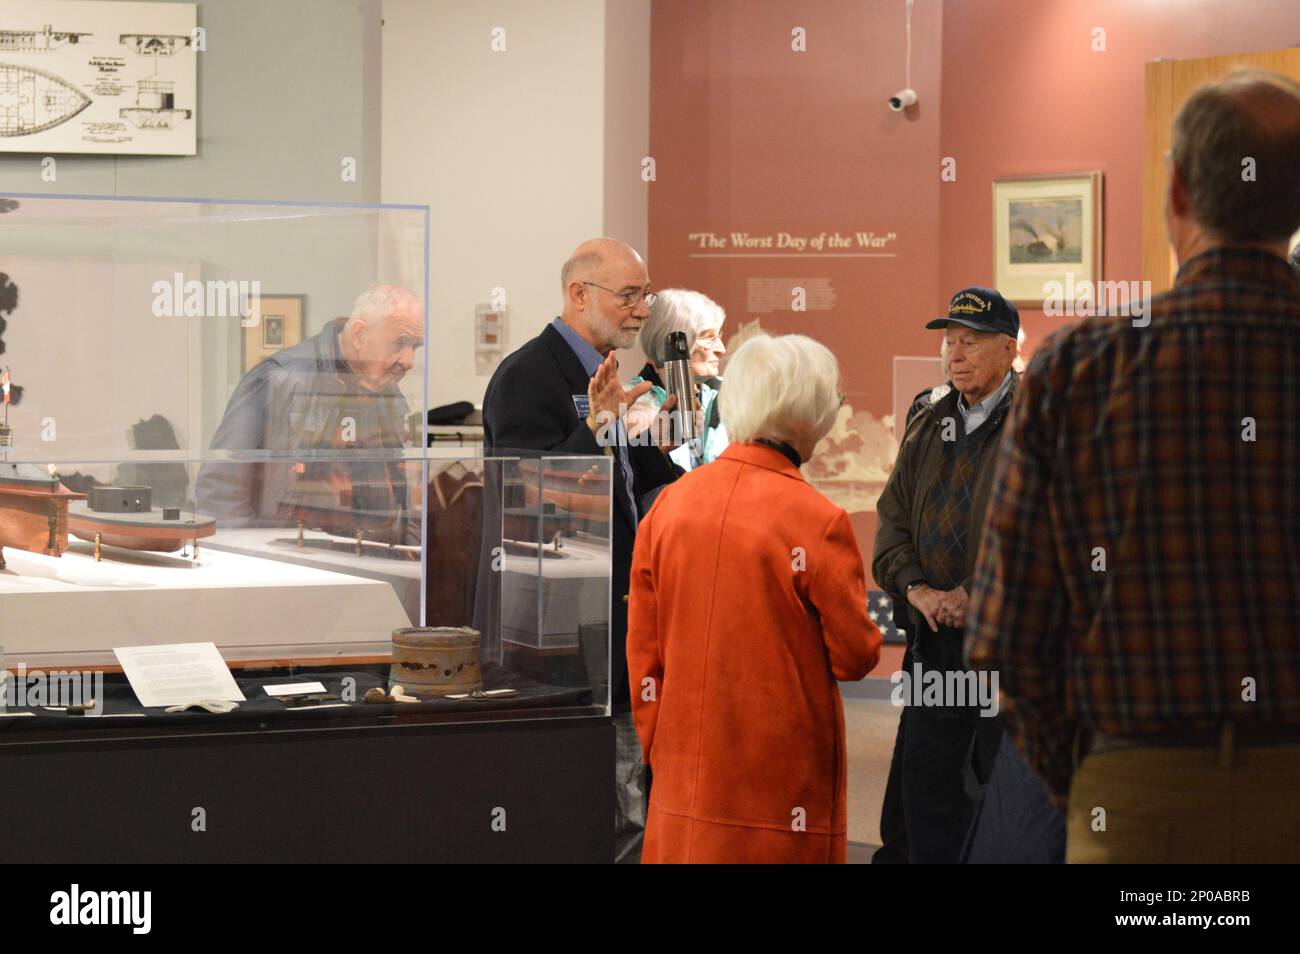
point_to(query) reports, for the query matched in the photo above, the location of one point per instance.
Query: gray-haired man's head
(1235, 164)
(381, 336)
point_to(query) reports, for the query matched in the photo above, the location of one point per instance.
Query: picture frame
(1046, 228)
(279, 326)
(57, 56)
(273, 332)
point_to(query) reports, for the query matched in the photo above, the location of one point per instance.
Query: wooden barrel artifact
(436, 661)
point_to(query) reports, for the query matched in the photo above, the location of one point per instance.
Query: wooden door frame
(1168, 84)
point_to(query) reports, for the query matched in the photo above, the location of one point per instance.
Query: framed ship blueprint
(93, 77)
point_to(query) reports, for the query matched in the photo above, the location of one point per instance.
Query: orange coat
(748, 601)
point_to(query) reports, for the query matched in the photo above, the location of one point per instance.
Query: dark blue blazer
(529, 406)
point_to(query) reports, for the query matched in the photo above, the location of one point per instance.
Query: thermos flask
(680, 380)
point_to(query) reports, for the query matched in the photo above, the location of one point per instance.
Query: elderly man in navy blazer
(560, 393)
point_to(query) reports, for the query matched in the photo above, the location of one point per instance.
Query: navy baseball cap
(982, 309)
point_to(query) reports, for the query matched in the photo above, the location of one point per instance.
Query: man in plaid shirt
(1138, 586)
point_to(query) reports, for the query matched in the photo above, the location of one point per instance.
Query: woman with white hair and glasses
(700, 318)
(748, 602)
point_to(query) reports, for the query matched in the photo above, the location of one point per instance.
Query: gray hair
(1255, 115)
(782, 388)
(378, 302)
(580, 264)
(676, 309)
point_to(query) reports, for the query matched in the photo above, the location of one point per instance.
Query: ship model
(33, 503)
(37, 512)
(569, 490)
(345, 501)
(33, 509)
(125, 517)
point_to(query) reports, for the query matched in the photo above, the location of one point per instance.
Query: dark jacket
(529, 406)
(285, 409)
(923, 400)
(901, 510)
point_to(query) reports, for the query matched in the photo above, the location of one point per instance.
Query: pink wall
(1024, 93)
(748, 134)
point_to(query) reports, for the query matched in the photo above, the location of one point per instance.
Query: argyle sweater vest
(946, 517)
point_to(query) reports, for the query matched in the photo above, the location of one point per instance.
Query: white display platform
(563, 592)
(249, 607)
(325, 552)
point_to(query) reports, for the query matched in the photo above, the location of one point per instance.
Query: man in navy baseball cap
(979, 356)
(930, 517)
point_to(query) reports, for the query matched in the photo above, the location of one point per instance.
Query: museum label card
(294, 689)
(177, 674)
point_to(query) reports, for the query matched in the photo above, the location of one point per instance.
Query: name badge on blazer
(581, 405)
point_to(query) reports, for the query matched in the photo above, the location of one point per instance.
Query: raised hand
(606, 397)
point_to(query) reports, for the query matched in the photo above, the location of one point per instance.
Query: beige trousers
(1182, 806)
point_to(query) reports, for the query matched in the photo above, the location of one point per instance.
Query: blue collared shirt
(591, 360)
(979, 412)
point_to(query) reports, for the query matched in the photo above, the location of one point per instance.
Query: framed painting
(279, 326)
(1046, 229)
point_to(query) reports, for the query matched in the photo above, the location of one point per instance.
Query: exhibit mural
(854, 460)
(799, 221)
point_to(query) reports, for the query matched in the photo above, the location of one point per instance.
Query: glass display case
(213, 432)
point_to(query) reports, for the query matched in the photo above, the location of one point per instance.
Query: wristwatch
(914, 585)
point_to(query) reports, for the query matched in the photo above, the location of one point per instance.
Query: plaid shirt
(1171, 452)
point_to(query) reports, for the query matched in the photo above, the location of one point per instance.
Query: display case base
(523, 791)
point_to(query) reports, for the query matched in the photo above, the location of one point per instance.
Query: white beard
(607, 329)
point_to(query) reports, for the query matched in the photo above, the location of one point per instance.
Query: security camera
(902, 99)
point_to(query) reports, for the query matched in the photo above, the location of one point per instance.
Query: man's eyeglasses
(629, 299)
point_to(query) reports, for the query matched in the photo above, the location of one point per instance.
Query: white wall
(509, 150)
(627, 135)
